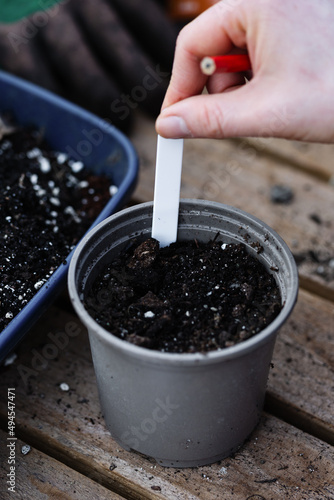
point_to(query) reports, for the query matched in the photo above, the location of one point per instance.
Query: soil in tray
(47, 202)
(188, 297)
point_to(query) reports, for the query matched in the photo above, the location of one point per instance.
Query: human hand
(290, 45)
(111, 57)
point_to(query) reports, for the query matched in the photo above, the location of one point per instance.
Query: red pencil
(229, 64)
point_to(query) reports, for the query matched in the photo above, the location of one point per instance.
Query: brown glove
(111, 57)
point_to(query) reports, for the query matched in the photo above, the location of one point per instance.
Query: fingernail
(172, 126)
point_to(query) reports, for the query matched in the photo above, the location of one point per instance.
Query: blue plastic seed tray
(83, 136)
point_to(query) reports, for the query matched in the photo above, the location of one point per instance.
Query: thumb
(249, 110)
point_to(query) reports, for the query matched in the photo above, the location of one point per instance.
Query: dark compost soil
(47, 202)
(188, 297)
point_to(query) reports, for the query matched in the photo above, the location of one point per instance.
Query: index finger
(215, 32)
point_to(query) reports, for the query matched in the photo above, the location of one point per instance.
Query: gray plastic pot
(184, 410)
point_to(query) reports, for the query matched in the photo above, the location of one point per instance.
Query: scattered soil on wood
(47, 202)
(188, 297)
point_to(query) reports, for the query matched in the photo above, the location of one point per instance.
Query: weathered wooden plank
(301, 383)
(279, 461)
(313, 158)
(239, 175)
(37, 476)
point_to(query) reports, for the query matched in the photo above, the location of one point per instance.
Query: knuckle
(213, 121)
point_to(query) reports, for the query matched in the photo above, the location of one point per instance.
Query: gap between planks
(318, 172)
(82, 464)
(315, 287)
(291, 414)
(39, 476)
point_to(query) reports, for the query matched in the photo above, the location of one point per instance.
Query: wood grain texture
(39, 477)
(314, 158)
